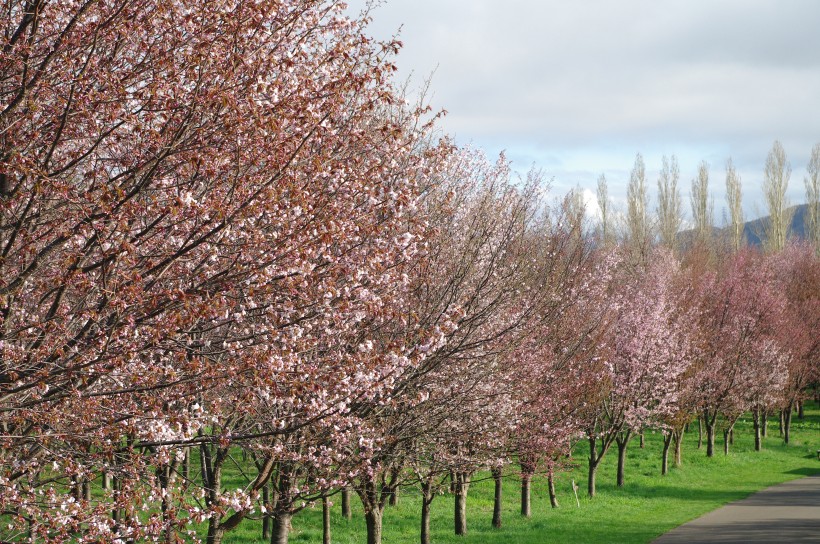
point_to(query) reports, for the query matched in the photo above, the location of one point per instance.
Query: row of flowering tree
(228, 243)
(707, 339)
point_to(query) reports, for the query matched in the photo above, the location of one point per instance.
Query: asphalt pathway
(787, 513)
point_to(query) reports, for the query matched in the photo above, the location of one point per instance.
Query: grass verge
(646, 507)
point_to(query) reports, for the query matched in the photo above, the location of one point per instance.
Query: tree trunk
(621, 460)
(710, 440)
(374, 526)
(756, 412)
(76, 491)
(266, 519)
(726, 441)
(115, 513)
(800, 414)
(186, 464)
(593, 467)
(643, 444)
(497, 477)
(212, 474)
(667, 442)
(781, 422)
(281, 528)
(525, 495)
(427, 496)
(325, 520)
(700, 433)
(787, 423)
(678, 443)
(166, 475)
(215, 534)
(373, 500)
(462, 484)
(764, 421)
(282, 511)
(551, 488)
(346, 503)
(732, 435)
(106, 480)
(394, 497)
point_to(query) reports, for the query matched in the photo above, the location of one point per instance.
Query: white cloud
(579, 87)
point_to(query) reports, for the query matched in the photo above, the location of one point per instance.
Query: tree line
(229, 241)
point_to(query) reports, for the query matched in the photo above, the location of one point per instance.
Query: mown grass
(648, 505)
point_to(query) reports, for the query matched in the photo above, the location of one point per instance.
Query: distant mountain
(755, 230)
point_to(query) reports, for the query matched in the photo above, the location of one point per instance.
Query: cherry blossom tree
(555, 363)
(646, 354)
(201, 203)
(460, 308)
(682, 396)
(460, 442)
(741, 309)
(798, 277)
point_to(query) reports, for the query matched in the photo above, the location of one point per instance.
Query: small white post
(575, 490)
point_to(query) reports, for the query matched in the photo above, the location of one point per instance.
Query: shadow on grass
(688, 494)
(684, 493)
(590, 530)
(806, 471)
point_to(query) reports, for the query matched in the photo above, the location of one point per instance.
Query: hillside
(755, 230)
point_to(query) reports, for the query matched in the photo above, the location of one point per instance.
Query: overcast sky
(579, 87)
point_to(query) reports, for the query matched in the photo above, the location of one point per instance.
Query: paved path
(785, 513)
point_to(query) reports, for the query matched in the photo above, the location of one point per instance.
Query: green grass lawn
(648, 505)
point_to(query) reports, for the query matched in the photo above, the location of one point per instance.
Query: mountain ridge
(754, 231)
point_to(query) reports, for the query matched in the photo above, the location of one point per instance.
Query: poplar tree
(638, 228)
(775, 183)
(733, 198)
(603, 205)
(812, 182)
(670, 215)
(702, 205)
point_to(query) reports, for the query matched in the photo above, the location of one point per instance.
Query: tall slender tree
(812, 182)
(776, 176)
(702, 205)
(605, 208)
(639, 231)
(734, 199)
(670, 213)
